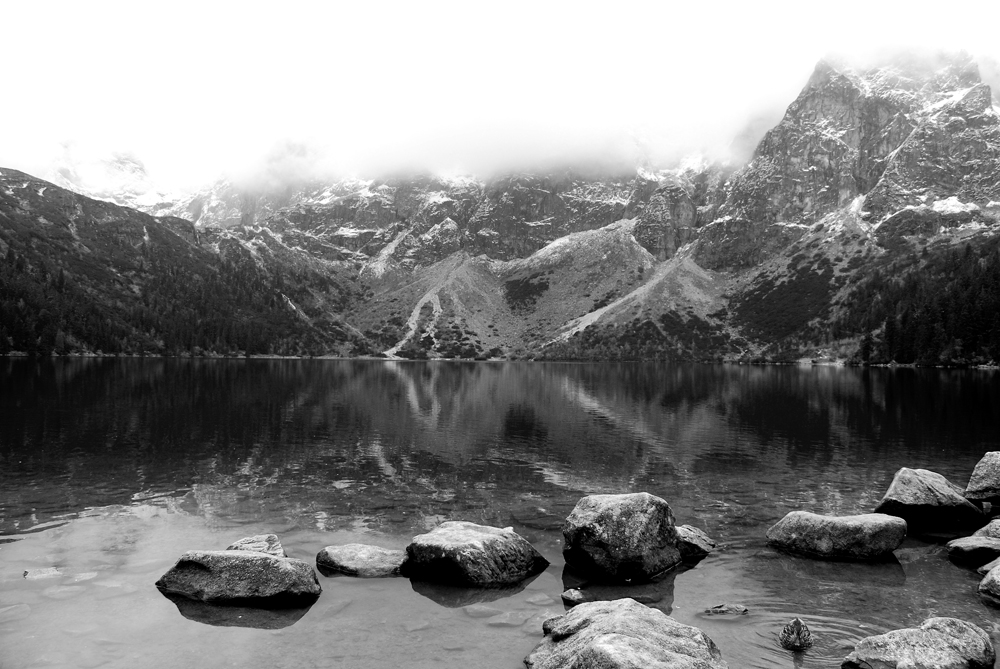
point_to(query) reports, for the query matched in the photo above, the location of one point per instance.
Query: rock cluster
(929, 503)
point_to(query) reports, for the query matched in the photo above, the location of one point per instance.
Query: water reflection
(236, 616)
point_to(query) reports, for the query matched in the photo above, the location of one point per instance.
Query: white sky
(195, 89)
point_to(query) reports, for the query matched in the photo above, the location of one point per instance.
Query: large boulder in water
(261, 543)
(622, 634)
(248, 578)
(471, 555)
(929, 503)
(984, 485)
(621, 538)
(973, 551)
(870, 536)
(939, 643)
(992, 530)
(360, 560)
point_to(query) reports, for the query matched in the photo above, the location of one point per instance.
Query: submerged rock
(795, 636)
(929, 502)
(622, 634)
(261, 543)
(728, 610)
(870, 536)
(360, 560)
(939, 643)
(471, 555)
(984, 485)
(242, 577)
(693, 543)
(621, 538)
(973, 551)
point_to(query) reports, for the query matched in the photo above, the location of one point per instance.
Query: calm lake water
(110, 469)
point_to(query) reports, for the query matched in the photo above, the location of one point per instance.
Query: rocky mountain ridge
(702, 260)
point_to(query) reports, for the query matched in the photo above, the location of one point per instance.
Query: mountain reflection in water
(110, 469)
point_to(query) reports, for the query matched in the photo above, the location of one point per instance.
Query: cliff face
(865, 167)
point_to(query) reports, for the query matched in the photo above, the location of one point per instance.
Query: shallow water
(110, 469)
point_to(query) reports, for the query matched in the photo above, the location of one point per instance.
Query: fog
(200, 90)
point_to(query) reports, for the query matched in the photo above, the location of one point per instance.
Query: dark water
(110, 469)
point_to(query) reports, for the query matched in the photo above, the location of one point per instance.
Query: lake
(111, 468)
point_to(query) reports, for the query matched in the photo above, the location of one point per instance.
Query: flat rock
(728, 610)
(929, 502)
(242, 577)
(44, 572)
(574, 596)
(984, 484)
(621, 538)
(973, 551)
(939, 643)
(259, 543)
(360, 560)
(470, 555)
(869, 536)
(989, 588)
(622, 634)
(693, 543)
(992, 530)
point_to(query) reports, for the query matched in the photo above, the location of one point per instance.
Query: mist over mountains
(863, 225)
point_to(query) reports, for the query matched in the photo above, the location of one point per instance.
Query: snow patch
(952, 205)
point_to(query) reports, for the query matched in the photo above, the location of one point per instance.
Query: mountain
(877, 191)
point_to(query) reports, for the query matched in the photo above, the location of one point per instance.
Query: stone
(260, 543)
(44, 572)
(360, 560)
(471, 555)
(870, 536)
(973, 551)
(989, 588)
(984, 484)
(574, 596)
(621, 538)
(929, 502)
(989, 566)
(728, 610)
(693, 543)
(622, 634)
(247, 578)
(795, 636)
(992, 530)
(939, 643)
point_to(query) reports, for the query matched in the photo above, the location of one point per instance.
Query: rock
(247, 578)
(939, 643)
(989, 588)
(693, 543)
(795, 636)
(991, 530)
(45, 572)
(622, 634)
(989, 566)
(360, 560)
(984, 485)
(973, 550)
(261, 543)
(621, 537)
(728, 610)
(574, 596)
(870, 536)
(928, 502)
(466, 554)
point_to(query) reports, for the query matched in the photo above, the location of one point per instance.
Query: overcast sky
(198, 89)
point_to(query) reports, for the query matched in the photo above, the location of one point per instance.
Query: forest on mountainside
(941, 307)
(232, 310)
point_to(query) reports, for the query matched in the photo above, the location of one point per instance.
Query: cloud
(197, 90)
